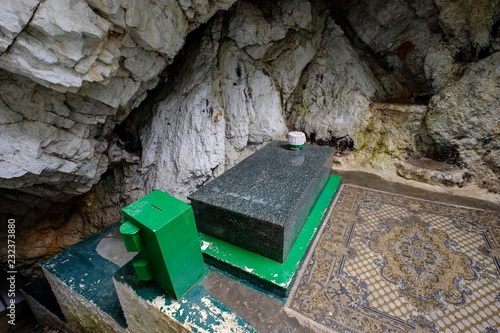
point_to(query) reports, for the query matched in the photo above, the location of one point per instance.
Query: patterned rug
(390, 263)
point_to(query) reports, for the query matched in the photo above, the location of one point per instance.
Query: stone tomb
(262, 203)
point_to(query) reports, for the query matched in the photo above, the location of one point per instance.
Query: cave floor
(265, 312)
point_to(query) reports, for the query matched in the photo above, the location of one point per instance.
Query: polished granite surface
(262, 203)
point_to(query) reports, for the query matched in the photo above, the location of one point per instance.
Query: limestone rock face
(76, 69)
(466, 116)
(467, 25)
(335, 91)
(13, 18)
(228, 97)
(389, 134)
(46, 138)
(400, 33)
(184, 142)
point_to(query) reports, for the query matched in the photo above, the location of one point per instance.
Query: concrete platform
(262, 203)
(81, 280)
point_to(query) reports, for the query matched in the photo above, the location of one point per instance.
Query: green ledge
(263, 272)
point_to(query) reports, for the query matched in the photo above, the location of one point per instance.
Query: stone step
(81, 280)
(79, 295)
(262, 203)
(44, 305)
(432, 172)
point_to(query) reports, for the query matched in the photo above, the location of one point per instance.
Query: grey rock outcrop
(465, 116)
(77, 68)
(333, 97)
(227, 99)
(46, 142)
(467, 25)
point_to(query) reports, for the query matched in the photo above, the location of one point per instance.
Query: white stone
(440, 67)
(144, 65)
(29, 57)
(14, 16)
(266, 118)
(149, 23)
(38, 155)
(199, 11)
(185, 139)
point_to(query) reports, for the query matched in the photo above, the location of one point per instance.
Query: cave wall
(385, 82)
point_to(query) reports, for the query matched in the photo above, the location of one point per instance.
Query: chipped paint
(161, 303)
(198, 311)
(205, 245)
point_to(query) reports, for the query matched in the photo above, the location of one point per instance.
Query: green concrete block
(168, 231)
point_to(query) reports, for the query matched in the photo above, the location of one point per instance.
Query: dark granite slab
(262, 203)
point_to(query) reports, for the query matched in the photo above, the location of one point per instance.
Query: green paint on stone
(296, 147)
(88, 274)
(266, 273)
(197, 309)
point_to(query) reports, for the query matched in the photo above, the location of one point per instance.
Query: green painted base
(263, 272)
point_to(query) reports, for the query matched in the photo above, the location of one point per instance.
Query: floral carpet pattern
(391, 263)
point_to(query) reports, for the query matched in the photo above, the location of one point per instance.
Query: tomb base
(263, 272)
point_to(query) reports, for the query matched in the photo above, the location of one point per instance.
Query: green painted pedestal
(265, 273)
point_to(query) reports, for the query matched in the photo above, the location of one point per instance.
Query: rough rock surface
(386, 82)
(46, 142)
(335, 91)
(389, 134)
(228, 97)
(465, 115)
(184, 142)
(81, 67)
